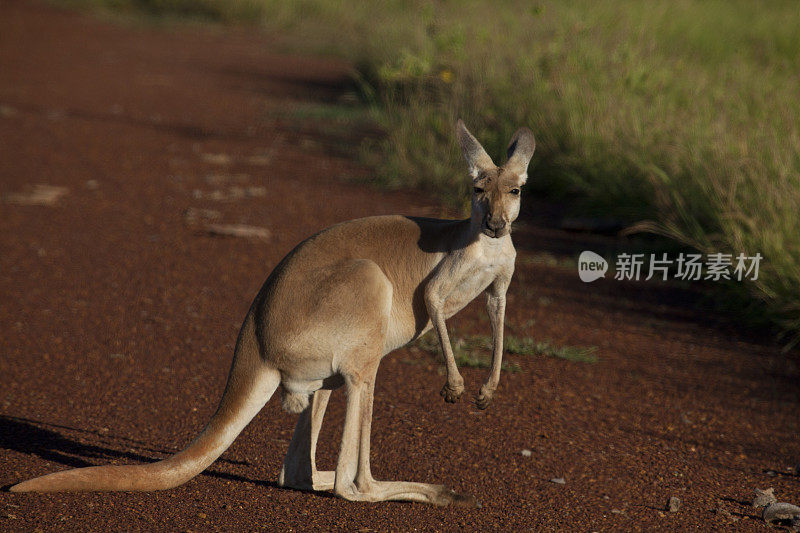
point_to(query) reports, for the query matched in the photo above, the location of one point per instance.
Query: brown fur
(326, 316)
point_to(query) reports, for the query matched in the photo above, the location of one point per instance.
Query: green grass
(529, 346)
(679, 116)
(473, 351)
(469, 352)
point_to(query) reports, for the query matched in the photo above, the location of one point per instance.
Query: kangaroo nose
(495, 224)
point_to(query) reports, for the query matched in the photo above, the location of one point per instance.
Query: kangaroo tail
(251, 384)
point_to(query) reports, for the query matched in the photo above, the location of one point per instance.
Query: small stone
(526, 453)
(783, 514)
(674, 504)
(256, 192)
(194, 216)
(40, 194)
(201, 515)
(238, 230)
(216, 159)
(558, 481)
(617, 511)
(222, 179)
(259, 160)
(764, 497)
(234, 193)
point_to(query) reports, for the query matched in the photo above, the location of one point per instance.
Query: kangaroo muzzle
(494, 226)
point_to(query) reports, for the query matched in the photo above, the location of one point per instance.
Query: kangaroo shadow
(43, 440)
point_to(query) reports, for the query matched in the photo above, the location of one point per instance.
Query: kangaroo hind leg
(351, 307)
(354, 479)
(299, 468)
(359, 367)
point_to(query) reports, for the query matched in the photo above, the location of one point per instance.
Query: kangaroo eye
(515, 192)
(477, 190)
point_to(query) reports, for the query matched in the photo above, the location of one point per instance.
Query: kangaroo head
(496, 190)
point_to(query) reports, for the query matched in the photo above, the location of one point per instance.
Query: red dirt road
(119, 319)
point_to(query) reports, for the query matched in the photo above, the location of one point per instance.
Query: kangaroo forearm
(497, 313)
(447, 350)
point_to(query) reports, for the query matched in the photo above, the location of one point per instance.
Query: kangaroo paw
(452, 393)
(484, 398)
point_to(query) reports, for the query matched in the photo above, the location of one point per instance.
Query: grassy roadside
(680, 116)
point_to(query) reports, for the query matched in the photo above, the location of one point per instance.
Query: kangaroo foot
(452, 392)
(484, 397)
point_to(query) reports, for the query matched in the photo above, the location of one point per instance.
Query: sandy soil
(119, 316)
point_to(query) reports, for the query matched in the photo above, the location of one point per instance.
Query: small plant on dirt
(469, 351)
(529, 346)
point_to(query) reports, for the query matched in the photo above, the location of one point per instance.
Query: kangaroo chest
(473, 278)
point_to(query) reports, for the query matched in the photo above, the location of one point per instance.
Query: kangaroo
(327, 315)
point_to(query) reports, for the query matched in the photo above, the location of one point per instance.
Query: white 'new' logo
(591, 266)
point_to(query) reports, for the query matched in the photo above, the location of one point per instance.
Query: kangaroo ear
(477, 158)
(520, 151)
